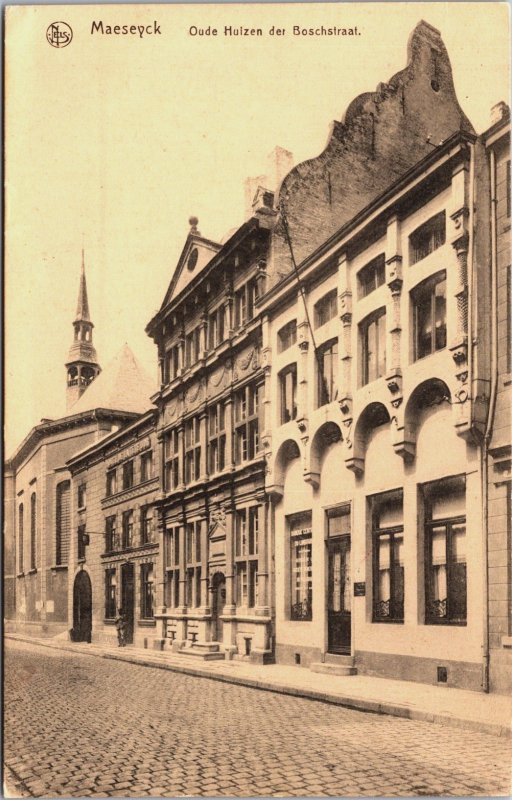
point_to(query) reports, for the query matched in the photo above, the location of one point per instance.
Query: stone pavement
(83, 726)
(486, 713)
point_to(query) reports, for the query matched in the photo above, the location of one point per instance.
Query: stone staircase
(335, 665)
(203, 651)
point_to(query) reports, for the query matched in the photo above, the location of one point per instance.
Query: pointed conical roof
(82, 308)
(123, 385)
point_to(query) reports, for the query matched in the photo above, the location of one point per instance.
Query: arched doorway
(82, 608)
(218, 603)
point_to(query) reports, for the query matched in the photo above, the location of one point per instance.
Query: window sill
(446, 623)
(146, 623)
(20, 575)
(32, 571)
(109, 621)
(134, 550)
(388, 621)
(57, 567)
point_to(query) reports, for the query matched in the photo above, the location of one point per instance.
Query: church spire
(82, 364)
(82, 308)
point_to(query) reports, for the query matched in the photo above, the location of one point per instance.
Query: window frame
(172, 567)
(216, 438)
(146, 525)
(111, 534)
(246, 556)
(192, 435)
(128, 475)
(172, 478)
(21, 542)
(427, 238)
(146, 466)
(378, 532)
(147, 591)
(287, 336)
(33, 531)
(377, 318)
(449, 523)
(192, 533)
(287, 414)
(110, 593)
(246, 422)
(81, 542)
(426, 291)
(327, 394)
(82, 496)
(302, 609)
(325, 309)
(128, 529)
(62, 531)
(111, 482)
(372, 272)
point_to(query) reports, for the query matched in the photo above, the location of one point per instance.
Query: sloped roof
(123, 385)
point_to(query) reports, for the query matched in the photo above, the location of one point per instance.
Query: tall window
(110, 594)
(287, 336)
(388, 558)
(327, 367)
(171, 364)
(326, 309)
(20, 539)
(127, 529)
(147, 586)
(63, 520)
(507, 188)
(82, 495)
(246, 423)
(216, 438)
(288, 393)
(81, 541)
(172, 460)
(509, 318)
(146, 466)
(146, 525)
(128, 475)
(111, 482)
(429, 308)
(192, 347)
(373, 340)
(192, 450)
(245, 299)
(246, 556)
(33, 530)
(301, 568)
(372, 275)
(172, 585)
(427, 238)
(193, 563)
(445, 551)
(216, 327)
(111, 540)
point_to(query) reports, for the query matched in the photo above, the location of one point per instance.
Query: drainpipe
(489, 425)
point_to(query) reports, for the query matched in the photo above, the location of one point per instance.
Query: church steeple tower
(82, 364)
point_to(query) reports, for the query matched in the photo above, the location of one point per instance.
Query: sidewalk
(457, 707)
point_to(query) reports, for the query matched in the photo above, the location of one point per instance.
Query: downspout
(489, 425)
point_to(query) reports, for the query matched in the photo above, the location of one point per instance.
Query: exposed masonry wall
(500, 508)
(384, 133)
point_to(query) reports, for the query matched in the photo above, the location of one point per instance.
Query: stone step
(336, 658)
(201, 655)
(206, 647)
(333, 669)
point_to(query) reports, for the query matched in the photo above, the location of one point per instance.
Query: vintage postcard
(258, 366)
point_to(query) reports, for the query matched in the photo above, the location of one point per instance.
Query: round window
(192, 259)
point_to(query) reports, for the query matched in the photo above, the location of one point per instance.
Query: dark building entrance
(82, 608)
(218, 603)
(127, 599)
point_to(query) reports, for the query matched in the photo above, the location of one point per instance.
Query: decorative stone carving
(394, 274)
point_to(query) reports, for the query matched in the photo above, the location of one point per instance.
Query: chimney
(279, 164)
(500, 111)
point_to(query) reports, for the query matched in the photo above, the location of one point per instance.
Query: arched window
(429, 305)
(63, 523)
(33, 531)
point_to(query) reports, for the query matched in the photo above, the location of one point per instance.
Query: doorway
(128, 599)
(339, 617)
(82, 608)
(218, 603)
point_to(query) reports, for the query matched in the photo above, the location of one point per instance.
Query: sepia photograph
(257, 379)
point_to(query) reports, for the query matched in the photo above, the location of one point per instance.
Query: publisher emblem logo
(59, 34)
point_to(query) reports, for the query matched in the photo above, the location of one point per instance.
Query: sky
(114, 141)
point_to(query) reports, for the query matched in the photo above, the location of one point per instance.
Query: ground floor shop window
(388, 559)
(301, 568)
(146, 591)
(110, 594)
(445, 551)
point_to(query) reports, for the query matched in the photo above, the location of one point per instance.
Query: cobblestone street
(77, 725)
